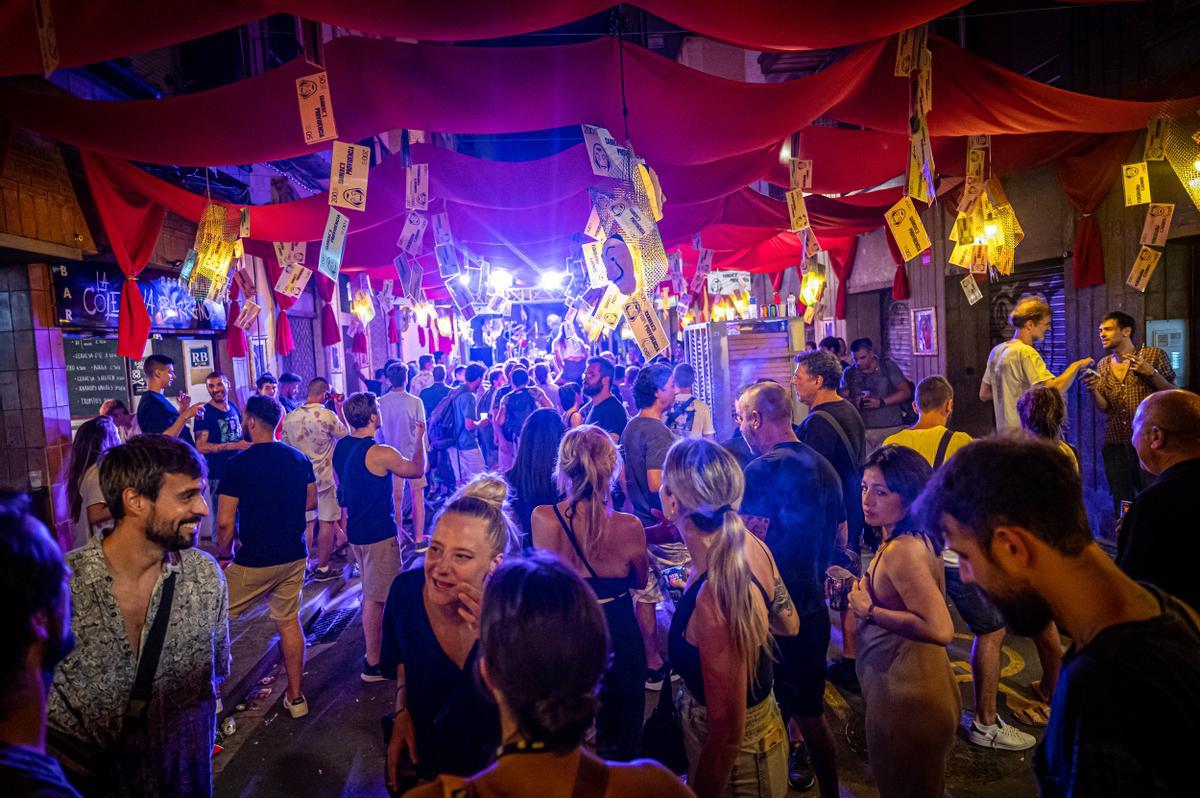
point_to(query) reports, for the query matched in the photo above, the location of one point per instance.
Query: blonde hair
(707, 482)
(486, 497)
(587, 468)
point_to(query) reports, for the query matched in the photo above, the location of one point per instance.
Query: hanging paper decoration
(631, 209)
(1157, 224)
(1135, 179)
(1143, 268)
(333, 243)
(919, 179)
(316, 110)
(363, 306)
(1156, 139)
(907, 229)
(412, 237)
(348, 173)
(643, 322)
(214, 247)
(416, 187)
(989, 234)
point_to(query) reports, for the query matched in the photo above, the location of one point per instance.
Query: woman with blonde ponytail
(607, 549)
(720, 639)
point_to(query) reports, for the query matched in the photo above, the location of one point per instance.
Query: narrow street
(338, 749)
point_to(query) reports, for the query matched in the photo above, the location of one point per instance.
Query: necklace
(520, 747)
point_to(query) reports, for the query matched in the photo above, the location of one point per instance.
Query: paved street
(338, 749)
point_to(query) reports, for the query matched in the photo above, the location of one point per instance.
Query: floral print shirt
(172, 755)
(314, 429)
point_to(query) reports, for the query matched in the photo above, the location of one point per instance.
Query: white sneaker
(297, 708)
(1000, 737)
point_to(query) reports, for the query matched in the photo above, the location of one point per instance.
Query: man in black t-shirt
(218, 438)
(1128, 697)
(793, 501)
(602, 409)
(1158, 542)
(835, 430)
(155, 413)
(266, 492)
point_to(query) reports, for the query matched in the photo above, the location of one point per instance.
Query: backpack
(674, 414)
(443, 422)
(520, 405)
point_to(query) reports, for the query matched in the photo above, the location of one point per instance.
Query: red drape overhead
(380, 85)
(284, 343)
(841, 257)
(132, 222)
(97, 31)
(1085, 179)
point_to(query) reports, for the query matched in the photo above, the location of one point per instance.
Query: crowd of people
(591, 541)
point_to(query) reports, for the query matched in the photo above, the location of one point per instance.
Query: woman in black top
(544, 649)
(608, 549)
(720, 639)
(531, 479)
(431, 641)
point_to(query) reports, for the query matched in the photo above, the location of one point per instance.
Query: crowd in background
(544, 543)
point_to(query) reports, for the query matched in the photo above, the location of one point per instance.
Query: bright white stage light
(464, 279)
(500, 280)
(552, 280)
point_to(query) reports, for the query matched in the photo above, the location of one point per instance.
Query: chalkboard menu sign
(89, 295)
(95, 372)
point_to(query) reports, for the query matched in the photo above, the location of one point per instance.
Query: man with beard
(1012, 509)
(36, 627)
(602, 409)
(133, 707)
(218, 438)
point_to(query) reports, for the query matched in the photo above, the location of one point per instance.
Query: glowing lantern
(363, 306)
(812, 287)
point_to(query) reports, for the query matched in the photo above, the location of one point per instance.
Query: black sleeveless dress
(622, 690)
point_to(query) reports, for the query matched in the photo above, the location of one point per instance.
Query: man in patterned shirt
(314, 429)
(154, 486)
(1121, 381)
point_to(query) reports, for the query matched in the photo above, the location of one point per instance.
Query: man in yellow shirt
(934, 403)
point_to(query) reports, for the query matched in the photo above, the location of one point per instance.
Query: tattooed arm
(784, 620)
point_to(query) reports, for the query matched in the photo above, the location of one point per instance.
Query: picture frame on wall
(924, 331)
(826, 328)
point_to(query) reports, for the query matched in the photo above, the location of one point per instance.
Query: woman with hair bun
(431, 640)
(720, 638)
(607, 549)
(544, 649)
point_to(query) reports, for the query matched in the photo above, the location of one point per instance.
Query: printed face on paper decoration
(618, 264)
(600, 157)
(308, 88)
(897, 216)
(354, 196)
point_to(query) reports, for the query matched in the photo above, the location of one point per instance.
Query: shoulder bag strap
(591, 780)
(139, 696)
(570, 530)
(943, 445)
(841, 433)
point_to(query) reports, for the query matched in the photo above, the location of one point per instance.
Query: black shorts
(800, 671)
(977, 611)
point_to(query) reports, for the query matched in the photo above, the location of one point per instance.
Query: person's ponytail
(731, 582)
(708, 484)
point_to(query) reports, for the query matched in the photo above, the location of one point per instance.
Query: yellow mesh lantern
(1183, 153)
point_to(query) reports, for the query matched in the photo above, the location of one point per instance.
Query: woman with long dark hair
(904, 627)
(84, 499)
(607, 549)
(544, 648)
(570, 398)
(531, 479)
(720, 639)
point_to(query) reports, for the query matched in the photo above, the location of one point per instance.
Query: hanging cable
(618, 31)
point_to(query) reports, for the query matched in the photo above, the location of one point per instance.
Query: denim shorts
(977, 611)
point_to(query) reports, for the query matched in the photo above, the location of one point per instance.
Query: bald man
(1158, 542)
(793, 501)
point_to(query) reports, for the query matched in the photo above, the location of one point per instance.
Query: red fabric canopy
(381, 85)
(139, 221)
(973, 96)
(1085, 179)
(97, 31)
